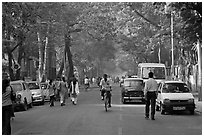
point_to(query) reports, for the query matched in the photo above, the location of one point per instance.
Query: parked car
(23, 95)
(174, 96)
(44, 87)
(37, 92)
(133, 89)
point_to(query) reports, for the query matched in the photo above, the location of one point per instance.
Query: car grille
(178, 101)
(136, 93)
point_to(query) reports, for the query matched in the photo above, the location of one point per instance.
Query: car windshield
(33, 86)
(16, 87)
(175, 88)
(159, 72)
(138, 84)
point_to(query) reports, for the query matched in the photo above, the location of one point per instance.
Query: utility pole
(172, 43)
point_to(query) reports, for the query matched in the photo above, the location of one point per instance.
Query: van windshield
(159, 72)
(16, 87)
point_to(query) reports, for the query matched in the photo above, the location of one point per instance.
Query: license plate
(179, 108)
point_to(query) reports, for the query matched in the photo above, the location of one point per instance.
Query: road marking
(119, 105)
(120, 131)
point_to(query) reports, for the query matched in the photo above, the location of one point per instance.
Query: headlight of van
(166, 100)
(19, 96)
(191, 100)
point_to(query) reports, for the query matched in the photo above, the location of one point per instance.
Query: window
(159, 72)
(138, 84)
(175, 88)
(33, 86)
(16, 87)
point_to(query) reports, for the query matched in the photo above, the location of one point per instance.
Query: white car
(174, 96)
(37, 92)
(23, 94)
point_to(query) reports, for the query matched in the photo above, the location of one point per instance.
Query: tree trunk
(46, 53)
(10, 57)
(69, 56)
(61, 70)
(20, 56)
(40, 57)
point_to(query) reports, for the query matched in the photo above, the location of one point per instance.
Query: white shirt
(150, 85)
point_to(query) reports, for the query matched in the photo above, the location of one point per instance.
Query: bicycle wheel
(106, 103)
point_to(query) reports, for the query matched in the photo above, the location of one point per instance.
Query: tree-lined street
(51, 41)
(88, 117)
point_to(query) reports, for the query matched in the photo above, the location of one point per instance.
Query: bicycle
(106, 100)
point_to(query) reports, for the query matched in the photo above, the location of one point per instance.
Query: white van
(174, 96)
(23, 94)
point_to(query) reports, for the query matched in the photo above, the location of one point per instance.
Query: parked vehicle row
(29, 93)
(172, 95)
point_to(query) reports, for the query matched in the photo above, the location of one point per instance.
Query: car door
(27, 93)
(159, 94)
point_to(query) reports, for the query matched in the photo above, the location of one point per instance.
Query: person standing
(51, 88)
(150, 92)
(63, 88)
(86, 83)
(74, 90)
(7, 110)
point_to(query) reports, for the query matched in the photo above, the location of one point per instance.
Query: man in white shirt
(150, 95)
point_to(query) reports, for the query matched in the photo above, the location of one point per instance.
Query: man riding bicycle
(106, 88)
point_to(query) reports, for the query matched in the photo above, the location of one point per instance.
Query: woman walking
(63, 88)
(51, 88)
(74, 90)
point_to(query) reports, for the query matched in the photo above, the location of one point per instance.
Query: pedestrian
(150, 92)
(63, 88)
(74, 90)
(7, 110)
(51, 89)
(86, 83)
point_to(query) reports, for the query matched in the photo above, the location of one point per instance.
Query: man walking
(150, 95)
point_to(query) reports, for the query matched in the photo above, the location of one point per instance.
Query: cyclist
(105, 88)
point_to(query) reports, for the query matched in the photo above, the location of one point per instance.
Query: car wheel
(123, 100)
(157, 108)
(162, 109)
(31, 104)
(25, 105)
(43, 102)
(192, 112)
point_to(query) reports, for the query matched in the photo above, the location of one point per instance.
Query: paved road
(88, 117)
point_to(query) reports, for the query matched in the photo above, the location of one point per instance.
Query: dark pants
(150, 99)
(6, 116)
(102, 92)
(52, 99)
(108, 95)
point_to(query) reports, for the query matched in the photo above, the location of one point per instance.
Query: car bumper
(37, 99)
(140, 99)
(178, 107)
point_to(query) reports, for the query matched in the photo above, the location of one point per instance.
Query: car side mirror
(159, 91)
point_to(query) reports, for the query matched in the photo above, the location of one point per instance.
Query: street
(88, 117)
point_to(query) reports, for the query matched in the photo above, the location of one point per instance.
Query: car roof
(32, 82)
(133, 79)
(172, 81)
(17, 81)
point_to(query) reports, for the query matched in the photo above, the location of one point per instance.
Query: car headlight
(166, 100)
(191, 100)
(19, 96)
